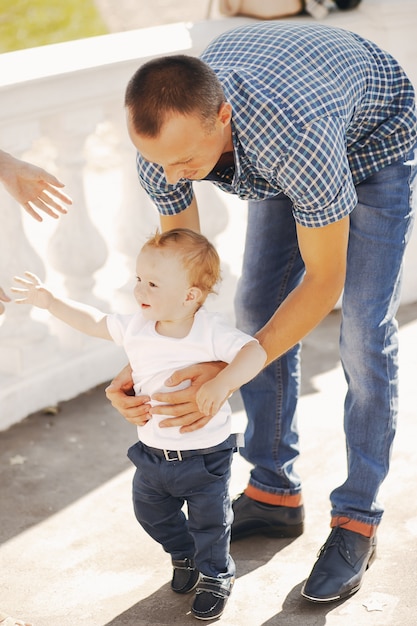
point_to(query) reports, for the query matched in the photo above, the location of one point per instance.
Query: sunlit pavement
(73, 553)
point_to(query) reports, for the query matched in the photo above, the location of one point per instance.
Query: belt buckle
(178, 456)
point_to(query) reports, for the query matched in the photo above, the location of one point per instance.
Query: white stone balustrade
(62, 107)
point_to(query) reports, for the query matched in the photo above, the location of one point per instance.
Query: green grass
(31, 23)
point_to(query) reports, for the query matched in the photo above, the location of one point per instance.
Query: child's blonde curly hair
(198, 256)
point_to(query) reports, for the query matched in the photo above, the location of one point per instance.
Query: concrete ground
(72, 553)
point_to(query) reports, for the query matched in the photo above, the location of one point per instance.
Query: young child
(176, 271)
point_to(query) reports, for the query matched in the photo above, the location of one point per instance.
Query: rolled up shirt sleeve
(168, 199)
(315, 174)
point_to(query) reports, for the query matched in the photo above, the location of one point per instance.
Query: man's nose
(172, 175)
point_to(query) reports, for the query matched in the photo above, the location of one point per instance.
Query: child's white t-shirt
(154, 357)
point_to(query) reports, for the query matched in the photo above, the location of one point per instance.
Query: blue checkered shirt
(316, 110)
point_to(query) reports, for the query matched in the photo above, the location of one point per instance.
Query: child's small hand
(211, 396)
(32, 291)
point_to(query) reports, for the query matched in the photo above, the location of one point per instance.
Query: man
(316, 127)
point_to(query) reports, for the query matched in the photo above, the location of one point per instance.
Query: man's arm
(246, 365)
(324, 252)
(189, 218)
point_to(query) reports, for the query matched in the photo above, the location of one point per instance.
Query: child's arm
(87, 319)
(246, 365)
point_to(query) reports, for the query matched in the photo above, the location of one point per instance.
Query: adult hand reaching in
(182, 404)
(135, 409)
(35, 189)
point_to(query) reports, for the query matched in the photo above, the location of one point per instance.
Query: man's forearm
(301, 311)
(246, 365)
(189, 218)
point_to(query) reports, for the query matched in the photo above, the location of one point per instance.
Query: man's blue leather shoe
(340, 566)
(255, 518)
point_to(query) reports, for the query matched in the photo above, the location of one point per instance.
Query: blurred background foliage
(30, 23)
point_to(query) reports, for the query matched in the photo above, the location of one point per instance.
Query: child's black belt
(234, 441)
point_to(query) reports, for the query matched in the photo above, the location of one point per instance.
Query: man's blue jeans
(380, 227)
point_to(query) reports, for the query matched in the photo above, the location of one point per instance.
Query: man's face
(185, 147)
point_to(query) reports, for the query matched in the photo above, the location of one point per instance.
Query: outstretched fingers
(29, 283)
(49, 201)
(31, 279)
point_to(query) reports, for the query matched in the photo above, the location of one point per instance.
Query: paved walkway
(72, 553)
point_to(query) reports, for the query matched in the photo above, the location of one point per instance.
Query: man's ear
(194, 296)
(225, 113)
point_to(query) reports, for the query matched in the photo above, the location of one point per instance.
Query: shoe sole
(274, 532)
(342, 596)
(207, 619)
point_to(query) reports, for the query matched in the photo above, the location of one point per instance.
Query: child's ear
(194, 295)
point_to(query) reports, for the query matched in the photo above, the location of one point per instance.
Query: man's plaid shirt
(316, 110)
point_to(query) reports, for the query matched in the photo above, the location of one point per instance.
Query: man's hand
(135, 409)
(182, 404)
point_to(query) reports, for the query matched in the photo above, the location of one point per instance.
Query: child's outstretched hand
(32, 291)
(211, 396)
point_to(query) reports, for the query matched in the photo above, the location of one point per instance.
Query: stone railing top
(107, 50)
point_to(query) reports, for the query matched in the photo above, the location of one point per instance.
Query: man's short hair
(172, 84)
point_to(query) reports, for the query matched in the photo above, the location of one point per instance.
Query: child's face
(162, 285)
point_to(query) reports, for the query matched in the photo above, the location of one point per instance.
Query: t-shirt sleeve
(117, 325)
(227, 340)
(168, 199)
(316, 176)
